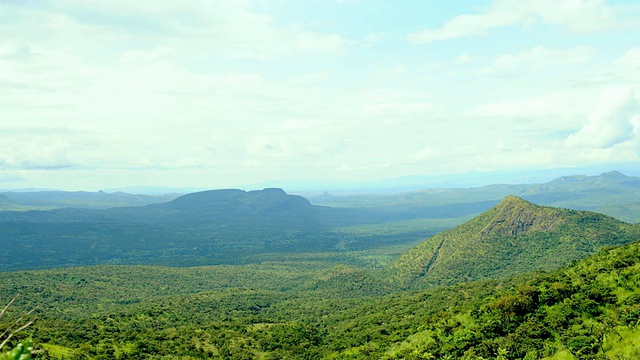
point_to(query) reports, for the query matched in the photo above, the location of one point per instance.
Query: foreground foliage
(587, 311)
(590, 310)
(22, 351)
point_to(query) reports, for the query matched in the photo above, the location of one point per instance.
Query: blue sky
(220, 94)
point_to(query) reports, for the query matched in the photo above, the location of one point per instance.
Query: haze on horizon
(226, 93)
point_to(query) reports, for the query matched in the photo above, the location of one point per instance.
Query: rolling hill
(228, 207)
(237, 227)
(588, 310)
(214, 206)
(513, 237)
(204, 228)
(611, 193)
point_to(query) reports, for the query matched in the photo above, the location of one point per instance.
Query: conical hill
(513, 237)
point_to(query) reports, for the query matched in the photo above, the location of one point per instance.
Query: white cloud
(623, 71)
(391, 102)
(611, 122)
(465, 25)
(462, 58)
(425, 154)
(372, 39)
(141, 79)
(389, 109)
(630, 62)
(397, 70)
(234, 94)
(502, 146)
(190, 28)
(14, 50)
(554, 105)
(541, 56)
(35, 152)
(576, 15)
(579, 16)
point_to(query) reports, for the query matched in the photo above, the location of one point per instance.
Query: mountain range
(611, 193)
(308, 307)
(237, 227)
(302, 281)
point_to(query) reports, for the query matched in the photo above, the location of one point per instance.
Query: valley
(267, 275)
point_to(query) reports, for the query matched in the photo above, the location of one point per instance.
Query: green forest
(266, 275)
(588, 310)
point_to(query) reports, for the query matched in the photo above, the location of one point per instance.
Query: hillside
(513, 237)
(589, 310)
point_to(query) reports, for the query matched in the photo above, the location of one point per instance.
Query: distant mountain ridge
(513, 237)
(271, 206)
(207, 206)
(204, 228)
(221, 201)
(611, 193)
(48, 200)
(235, 226)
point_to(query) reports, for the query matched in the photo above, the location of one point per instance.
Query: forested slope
(302, 309)
(513, 237)
(590, 310)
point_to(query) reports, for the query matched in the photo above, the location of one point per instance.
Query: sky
(217, 94)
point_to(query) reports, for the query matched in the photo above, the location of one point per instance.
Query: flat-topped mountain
(203, 228)
(213, 206)
(513, 237)
(271, 198)
(216, 205)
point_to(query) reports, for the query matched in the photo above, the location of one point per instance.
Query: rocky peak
(514, 216)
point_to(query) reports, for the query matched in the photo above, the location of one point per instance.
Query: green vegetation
(80, 244)
(22, 351)
(513, 237)
(589, 310)
(237, 227)
(207, 228)
(333, 291)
